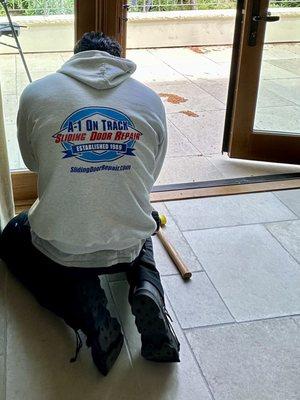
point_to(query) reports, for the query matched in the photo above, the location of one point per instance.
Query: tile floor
(238, 318)
(193, 86)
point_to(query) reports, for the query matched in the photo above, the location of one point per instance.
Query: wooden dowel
(182, 268)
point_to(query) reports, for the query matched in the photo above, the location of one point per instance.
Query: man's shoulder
(41, 87)
(144, 91)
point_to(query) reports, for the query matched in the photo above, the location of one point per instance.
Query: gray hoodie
(97, 139)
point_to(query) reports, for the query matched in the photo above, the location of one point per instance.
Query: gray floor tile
(291, 198)
(257, 360)
(199, 303)
(288, 234)
(164, 263)
(228, 211)
(255, 276)
(171, 231)
(157, 380)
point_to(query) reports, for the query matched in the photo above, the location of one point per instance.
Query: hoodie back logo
(97, 134)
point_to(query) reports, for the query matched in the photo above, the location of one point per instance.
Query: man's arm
(23, 131)
(162, 147)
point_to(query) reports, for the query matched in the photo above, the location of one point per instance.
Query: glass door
(265, 115)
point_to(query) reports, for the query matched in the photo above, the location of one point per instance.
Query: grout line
(201, 266)
(183, 237)
(194, 147)
(206, 382)
(281, 201)
(202, 110)
(211, 325)
(290, 316)
(238, 225)
(281, 244)
(191, 81)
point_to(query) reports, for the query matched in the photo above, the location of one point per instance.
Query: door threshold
(225, 187)
(221, 187)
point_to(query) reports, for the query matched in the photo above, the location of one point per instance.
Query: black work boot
(159, 341)
(103, 332)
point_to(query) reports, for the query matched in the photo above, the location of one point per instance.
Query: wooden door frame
(107, 16)
(244, 141)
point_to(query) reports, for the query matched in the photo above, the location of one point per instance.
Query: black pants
(55, 286)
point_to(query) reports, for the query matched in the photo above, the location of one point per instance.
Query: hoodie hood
(98, 69)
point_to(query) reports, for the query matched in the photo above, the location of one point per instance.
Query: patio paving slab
(235, 168)
(270, 71)
(216, 87)
(280, 119)
(187, 169)
(284, 88)
(178, 144)
(186, 97)
(204, 130)
(291, 65)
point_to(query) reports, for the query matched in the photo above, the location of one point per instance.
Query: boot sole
(158, 342)
(107, 347)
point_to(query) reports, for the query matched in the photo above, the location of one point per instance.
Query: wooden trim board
(22, 203)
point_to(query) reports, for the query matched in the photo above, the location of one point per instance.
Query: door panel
(108, 16)
(254, 133)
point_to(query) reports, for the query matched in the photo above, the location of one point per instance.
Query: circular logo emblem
(97, 134)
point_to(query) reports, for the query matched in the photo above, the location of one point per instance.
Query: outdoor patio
(193, 84)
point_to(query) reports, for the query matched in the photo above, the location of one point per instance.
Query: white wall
(155, 29)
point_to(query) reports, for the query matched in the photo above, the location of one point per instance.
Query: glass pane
(278, 103)
(46, 36)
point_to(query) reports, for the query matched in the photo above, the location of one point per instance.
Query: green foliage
(40, 7)
(54, 7)
(173, 5)
(285, 4)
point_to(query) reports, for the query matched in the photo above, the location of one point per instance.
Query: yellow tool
(182, 268)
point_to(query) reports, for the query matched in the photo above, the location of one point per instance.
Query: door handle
(268, 18)
(255, 19)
